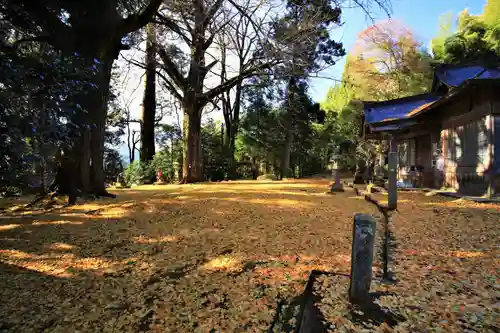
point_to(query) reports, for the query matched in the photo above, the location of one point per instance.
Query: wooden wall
(466, 151)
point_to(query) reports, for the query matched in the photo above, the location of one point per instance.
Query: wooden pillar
(363, 241)
(491, 144)
(393, 186)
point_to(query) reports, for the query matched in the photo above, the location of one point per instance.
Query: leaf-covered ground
(222, 257)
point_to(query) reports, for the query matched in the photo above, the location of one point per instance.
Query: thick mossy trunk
(192, 170)
(81, 167)
(99, 111)
(84, 163)
(65, 182)
(228, 151)
(149, 99)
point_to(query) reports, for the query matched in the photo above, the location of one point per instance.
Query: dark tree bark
(192, 155)
(285, 162)
(84, 163)
(65, 182)
(149, 100)
(98, 115)
(95, 32)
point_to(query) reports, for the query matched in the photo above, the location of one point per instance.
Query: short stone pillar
(392, 202)
(363, 242)
(336, 185)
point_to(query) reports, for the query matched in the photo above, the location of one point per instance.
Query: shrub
(131, 174)
(162, 162)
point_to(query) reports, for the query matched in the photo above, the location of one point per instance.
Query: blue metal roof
(403, 109)
(456, 75)
(492, 73)
(397, 109)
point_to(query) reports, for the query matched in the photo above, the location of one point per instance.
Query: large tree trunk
(228, 148)
(234, 132)
(99, 112)
(192, 156)
(285, 162)
(149, 99)
(65, 182)
(84, 164)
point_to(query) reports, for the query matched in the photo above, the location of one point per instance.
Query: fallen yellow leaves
(9, 226)
(220, 257)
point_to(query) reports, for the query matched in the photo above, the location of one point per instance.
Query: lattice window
(483, 153)
(403, 153)
(458, 145)
(413, 152)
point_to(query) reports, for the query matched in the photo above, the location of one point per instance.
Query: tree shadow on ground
(308, 318)
(100, 259)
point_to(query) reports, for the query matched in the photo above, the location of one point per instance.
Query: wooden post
(393, 186)
(490, 120)
(363, 241)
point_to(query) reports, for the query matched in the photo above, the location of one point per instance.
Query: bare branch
(171, 69)
(174, 27)
(137, 21)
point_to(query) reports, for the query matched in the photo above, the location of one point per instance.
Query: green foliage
(338, 97)
(139, 173)
(491, 13)
(113, 165)
(162, 163)
(169, 159)
(310, 20)
(265, 129)
(445, 31)
(39, 109)
(477, 38)
(261, 137)
(214, 168)
(132, 174)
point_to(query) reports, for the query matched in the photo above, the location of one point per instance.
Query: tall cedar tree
(149, 99)
(318, 52)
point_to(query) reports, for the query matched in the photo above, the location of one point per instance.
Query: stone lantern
(336, 185)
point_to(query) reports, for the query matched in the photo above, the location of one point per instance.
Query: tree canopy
(477, 38)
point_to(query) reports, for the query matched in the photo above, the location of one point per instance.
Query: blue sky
(420, 15)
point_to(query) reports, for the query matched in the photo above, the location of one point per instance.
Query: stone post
(393, 175)
(363, 241)
(337, 184)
